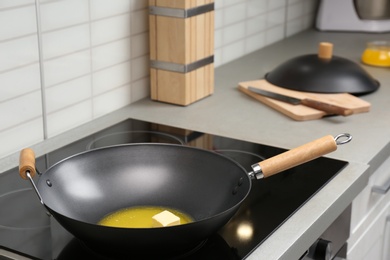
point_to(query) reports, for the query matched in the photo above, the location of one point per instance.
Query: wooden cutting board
(301, 112)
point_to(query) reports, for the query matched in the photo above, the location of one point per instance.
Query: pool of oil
(139, 217)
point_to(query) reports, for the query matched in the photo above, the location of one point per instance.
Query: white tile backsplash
(217, 4)
(104, 8)
(59, 14)
(137, 4)
(20, 84)
(140, 89)
(234, 32)
(218, 19)
(61, 42)
(14, 3)
(139, 45)
(112, 100)
(276, 17)
(289, 2)
(295, 11)
(112, 77)
(308, 21)
(274, 34)
(275, 4)
(18, 52)
(12, 26)
(256, 7)
(20, 109)
(14, 85)
(67, 67)
(108, 54)
(69, 117)
(218, 38)
(255, 42)
(235, 13)
(309, 6)
(139, 67)
(266, 22)
(256, 24)
(91, 57)
(294, 26)
(139, 21)
(110, 29)
(233, 2)
(57, 97)
(18, 137)
(233, 51)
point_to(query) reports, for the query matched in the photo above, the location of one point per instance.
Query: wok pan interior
(90, 185)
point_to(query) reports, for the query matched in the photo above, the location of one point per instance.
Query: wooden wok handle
(297, 156)
(27, 163)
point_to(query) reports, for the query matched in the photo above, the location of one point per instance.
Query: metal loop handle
(342, 138)
(30, 178)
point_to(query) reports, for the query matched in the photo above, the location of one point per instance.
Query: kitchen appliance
(26, 230)
(354, 15)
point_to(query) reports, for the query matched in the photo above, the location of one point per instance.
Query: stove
(27, 231)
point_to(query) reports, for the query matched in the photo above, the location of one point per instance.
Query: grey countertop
(228, 112)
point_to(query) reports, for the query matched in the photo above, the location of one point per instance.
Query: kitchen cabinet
(370, 235)
(386, 239)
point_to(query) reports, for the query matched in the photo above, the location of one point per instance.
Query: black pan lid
(310, 73)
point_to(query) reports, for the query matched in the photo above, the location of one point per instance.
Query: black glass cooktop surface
(26, 229)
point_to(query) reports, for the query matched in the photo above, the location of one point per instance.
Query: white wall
(66, 62)
(243, 26)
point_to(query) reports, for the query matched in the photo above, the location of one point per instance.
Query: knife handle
(330, 109)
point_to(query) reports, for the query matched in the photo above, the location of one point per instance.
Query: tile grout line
(91, 61)
(285, 19)
(41, 69)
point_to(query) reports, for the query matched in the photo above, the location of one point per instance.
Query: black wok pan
(82, 189)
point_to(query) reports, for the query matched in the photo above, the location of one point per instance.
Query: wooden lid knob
(325, 50)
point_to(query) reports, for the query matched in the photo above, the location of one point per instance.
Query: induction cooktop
(27, 230)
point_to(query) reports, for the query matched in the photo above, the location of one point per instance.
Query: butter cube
(165, 219)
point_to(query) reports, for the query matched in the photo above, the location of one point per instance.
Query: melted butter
(139, 217)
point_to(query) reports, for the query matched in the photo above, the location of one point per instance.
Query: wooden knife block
(181, 50)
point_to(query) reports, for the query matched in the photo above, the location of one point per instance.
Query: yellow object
(165, 219)
(139, 217)
(377, 54)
